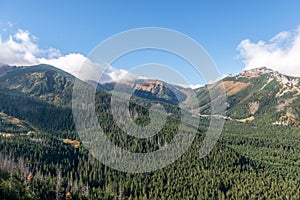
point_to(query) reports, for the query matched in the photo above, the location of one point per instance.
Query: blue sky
(219, 26)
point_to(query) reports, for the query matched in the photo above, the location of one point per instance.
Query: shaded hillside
(43, 81)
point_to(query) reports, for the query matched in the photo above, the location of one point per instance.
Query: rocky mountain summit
(260, 92)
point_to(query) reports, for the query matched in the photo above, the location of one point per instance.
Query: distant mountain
(260, 93)
(149, 89)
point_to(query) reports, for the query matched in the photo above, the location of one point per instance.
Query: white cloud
(191, 86)
(121, 74)
(70, 63)
(280, 53)
(21, 49)
(53, 53)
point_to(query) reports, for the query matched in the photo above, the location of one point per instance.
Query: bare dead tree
(58, 183)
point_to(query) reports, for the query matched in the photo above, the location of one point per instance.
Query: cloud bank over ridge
(21, 49)
(280, 53)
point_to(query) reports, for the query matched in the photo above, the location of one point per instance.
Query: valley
(256, 157)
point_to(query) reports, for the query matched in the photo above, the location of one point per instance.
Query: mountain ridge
(259, 91)
(256, 94)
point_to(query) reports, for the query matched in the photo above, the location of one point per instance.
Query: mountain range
(37, 95)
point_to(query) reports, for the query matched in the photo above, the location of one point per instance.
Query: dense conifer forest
(42, 156)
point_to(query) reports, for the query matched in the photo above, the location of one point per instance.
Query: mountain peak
(257, 71)
(271, 74)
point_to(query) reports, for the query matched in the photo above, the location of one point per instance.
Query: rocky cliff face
(149, 89)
